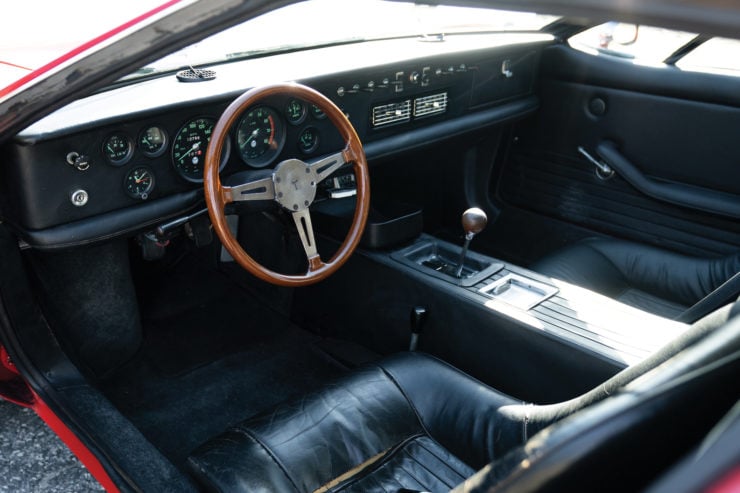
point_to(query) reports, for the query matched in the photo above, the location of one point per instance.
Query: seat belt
(721, 296)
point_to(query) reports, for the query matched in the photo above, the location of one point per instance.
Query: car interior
(540, 297)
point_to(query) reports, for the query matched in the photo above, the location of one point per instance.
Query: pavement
(34, 460)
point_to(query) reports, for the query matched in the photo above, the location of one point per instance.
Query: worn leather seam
(355, 471)
(408, 401)
(440, 459)
(423, 466)
(383, 461)
(423, 484)
(203, 474)
(277, 462)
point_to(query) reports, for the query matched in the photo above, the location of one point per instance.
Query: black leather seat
(416, 422)
(412, 422)
(654, 280)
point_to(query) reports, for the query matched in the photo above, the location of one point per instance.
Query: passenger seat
(654, 280)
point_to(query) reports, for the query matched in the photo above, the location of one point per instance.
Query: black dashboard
(123, 160)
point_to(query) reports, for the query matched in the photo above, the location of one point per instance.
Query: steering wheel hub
(295, 184)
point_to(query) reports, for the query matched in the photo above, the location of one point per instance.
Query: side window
(720, 55)
(643, 44)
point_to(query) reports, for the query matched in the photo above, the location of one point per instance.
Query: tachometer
(260, 136)
(189, 148)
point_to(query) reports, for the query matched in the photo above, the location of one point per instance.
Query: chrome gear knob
(474, 220)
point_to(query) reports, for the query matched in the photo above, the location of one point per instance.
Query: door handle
(603, 170)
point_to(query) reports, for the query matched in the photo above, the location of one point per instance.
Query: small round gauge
(118, 148)
(189, 148)
(317, 113)
(153, 141)
(308, 141)
(260, 136)
(295, 112)
(139, 182)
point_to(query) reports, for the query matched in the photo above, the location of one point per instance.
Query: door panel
(684, 152)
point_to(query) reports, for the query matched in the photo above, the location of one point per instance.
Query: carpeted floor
(212, 356)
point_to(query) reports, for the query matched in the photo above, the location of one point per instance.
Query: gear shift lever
(474, 220)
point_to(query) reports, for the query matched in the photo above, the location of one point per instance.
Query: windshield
(321, 22)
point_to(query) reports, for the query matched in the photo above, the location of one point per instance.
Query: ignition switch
(80, 161)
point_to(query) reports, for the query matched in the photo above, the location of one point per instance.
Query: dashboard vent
(390, 114)
(430, 105)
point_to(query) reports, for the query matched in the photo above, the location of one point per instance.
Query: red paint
(82, 48)
(730, 483)
(7, 368)
(6, 364)
(75, 445)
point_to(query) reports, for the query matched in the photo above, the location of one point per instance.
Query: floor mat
(213, 355)
(208, 331)
(178, 412)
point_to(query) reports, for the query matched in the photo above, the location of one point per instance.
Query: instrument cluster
(264, 133)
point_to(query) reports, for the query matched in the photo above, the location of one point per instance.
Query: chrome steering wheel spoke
(304, 226)
(263, 189)
(323, 168)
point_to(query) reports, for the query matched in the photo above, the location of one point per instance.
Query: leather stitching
(269, 453)
(379, 464)
(408, 401)
(412, 457)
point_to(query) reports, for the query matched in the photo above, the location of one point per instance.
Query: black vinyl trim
(563, 63)
(137, 218)
(112, 224)
(690, 196)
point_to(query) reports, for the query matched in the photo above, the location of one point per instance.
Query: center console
(534, 337)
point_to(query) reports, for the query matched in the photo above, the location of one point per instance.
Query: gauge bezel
(162, 149)
(315, 144)
(317, 113)
(301, 118)
(139, 196)
(129, 150)
(224, 154)
(269, 156)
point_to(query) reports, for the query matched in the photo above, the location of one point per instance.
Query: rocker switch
(398, 82)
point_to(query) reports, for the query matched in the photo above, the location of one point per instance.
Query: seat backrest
(626, 440)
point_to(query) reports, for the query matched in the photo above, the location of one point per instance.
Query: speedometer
(260, 136)
(189, 148)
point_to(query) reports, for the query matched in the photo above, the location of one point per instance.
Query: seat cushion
(654, 280)
(410, 421)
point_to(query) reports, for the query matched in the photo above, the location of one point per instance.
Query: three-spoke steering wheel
(292, 185)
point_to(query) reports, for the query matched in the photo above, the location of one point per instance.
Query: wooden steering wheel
(292, 185)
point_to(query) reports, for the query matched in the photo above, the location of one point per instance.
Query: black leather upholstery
(413, 421)
(648, 278)
(626, 441)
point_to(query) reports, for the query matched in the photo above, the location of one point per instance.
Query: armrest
(693, 197)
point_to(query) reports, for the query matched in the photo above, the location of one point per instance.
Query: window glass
(719, 55)
(643, 44)
(332, 22)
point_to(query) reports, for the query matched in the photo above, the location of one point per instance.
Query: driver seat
(414, 423)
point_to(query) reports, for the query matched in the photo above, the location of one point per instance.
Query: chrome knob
(474, 220)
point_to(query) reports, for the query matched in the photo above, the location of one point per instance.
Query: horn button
(295, 184)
